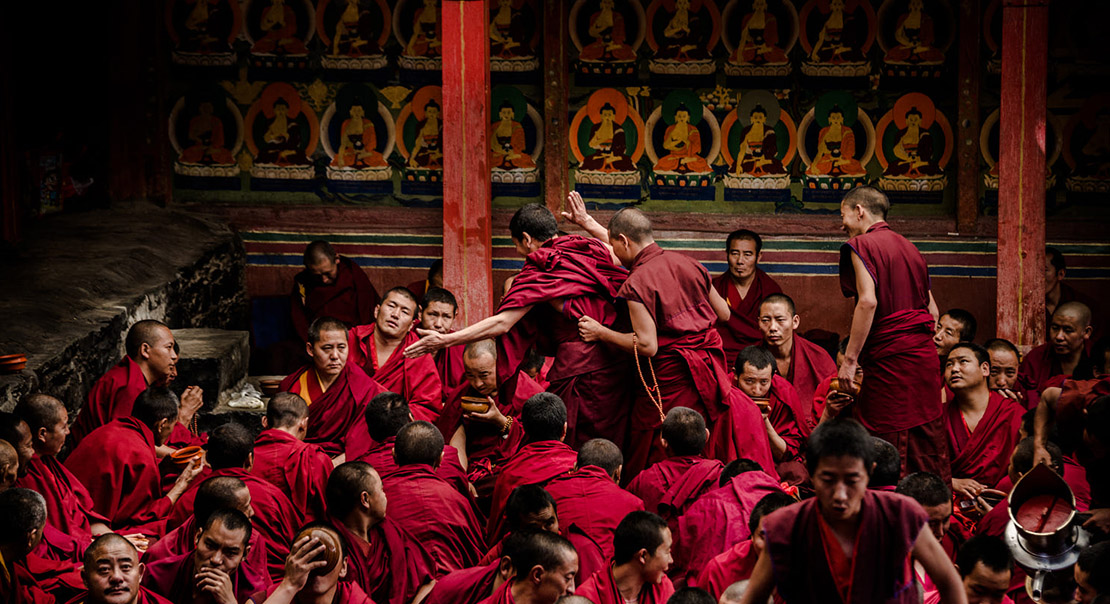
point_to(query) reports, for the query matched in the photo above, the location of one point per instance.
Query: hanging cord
(652, 392)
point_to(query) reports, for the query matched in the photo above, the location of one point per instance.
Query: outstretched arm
(490, 327)
(720, 306)
(576, 213)
(761, 583)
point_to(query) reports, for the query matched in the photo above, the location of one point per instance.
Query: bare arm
(862, 318)
(720, 306)
(933, 310)
(930, 554)
(423, 592)
(490, 327)
(1046, 408)
(458, 440)
(643, 327)
(576, 213)
(778, 445)
(761, 583)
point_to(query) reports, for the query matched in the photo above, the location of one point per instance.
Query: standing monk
(330, 286)
(282, 458)
(744, 285)
(801, 362)
(891, 335)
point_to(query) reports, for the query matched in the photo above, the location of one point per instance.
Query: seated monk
(954, 326)
(282, 458)
(528, 507)
(212, 570)
(68, 503)
(544, 571)
(25, 518)
(151, 361)
(935, 498)
(231, 453)
(1005, 359)
(637, 571)
(385, 415)
(379, 349)
(1063, 355)
(426, 506)
(676, 482)
(16, 432)
(387, 562)
(330, 286)
(589, 497)
(543, 456)
(719, 519)
(743, 286)
(848, 540)
(801, 362)
(438, 309)
(982, 425)
(737, 563)
(986, 569)
(784, 419)
(113, 574)
(336, 391)
(996, 517)
(472, 585)
(9, 465)
(118, 464)
(304, 582)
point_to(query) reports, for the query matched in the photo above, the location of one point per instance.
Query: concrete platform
(214, 359)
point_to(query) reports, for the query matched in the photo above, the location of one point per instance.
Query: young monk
(438, 309)
(24, 519)
(544, 571)
(744, 286)
(1063, 355)
(336, 391)
(283, 459)
(379, 349)
(784, 418)
(304, 583)
(849, 543)
(986, 568)
(737, 563)
(799, 361)
(330, 286)
(472, 585)
(638, 568)
(953, 327)
(113, 574)
(17, 433)
(9, 466)
(528, 507)
(1005, 360)
(676, 482)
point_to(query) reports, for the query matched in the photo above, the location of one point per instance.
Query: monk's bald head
(546, 550)
(480, 348)
(347, 483)
(9, 465)
(874, 201)
(148, 331)
(285, 410)
(319, 251)
(419, 443)
(386, 414)
(230, 446)
(1078, 312)
(684, 431)
(633, 224)
(221, 493)
(603, 454)
(112, 571)
(40, 410)
(24, 514)
(572, 599)
(16, 432)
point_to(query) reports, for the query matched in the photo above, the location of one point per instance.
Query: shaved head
(869, 198)
(478, 348)
(318, 251)
(684, 431)
(601, 453)
(40, 411)
(9, 465)
(631, 223)
(346, 485)
(219, 493)
(147, 331)
(1076, 310)
(419, 443)
(285, 410)
(24, 512)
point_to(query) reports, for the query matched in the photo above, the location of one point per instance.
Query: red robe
(1075, 397)
(391, 567)
(69, 507)
(298, 469)
(39, 580)
(601, 588)
(740, 434)
(333, 415)
(118, 466)
(347, 593)
(589, 499)
(380, 456)
(788, 418)
(274, 515)
(985, 453)
(183, 539)
(466, 586)
(437, 515)
(449, 364)
(534, 463)
(810, 365)
(723, 570)
(351, 298)
(173, 577)
(145, 597)
(742, 328)
(503, 595)
(416, 379)
(1040, 369)
(676, 482)
(484, 443)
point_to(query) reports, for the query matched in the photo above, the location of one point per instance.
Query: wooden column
(11, 162)
(967, 130)
(555, 104)
(467, 252)
(1021, 195)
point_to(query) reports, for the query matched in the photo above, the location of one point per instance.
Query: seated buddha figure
(206, 133)
(427, 151)
(758, 154)
(607, 138)
(836, 149)
(280, 24)
(835, 42)
(683, 141)
(281, 144)
(507, 142)
(759, 38)
(609, 36)
(915, 36)
(914, 151)
(425, 40)
(358, 143)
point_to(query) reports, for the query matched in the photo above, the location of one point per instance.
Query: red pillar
(467, 253)
(555, 104)
(1021, 195)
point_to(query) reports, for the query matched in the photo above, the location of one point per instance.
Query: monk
(151, 361)
(543, 456)
(24, 513)
(673, 308)
(744, 286)
(336, 391)
(118, 465)
(379, 349)
(304, 583)
(113, 574)
(426, 506)
(1090, 574)
(935, 498)
(1005, 359)
(529, 507)
(801, 362)
(736, 564)
(212, 570)
(954, 326)
(17, 433)
(231, 453)
(282, 458)
(638, 568)
(1058, 292)
(849, 543)
(676, 482)
(432, 280)
(544, 571)
(387, 562)
(438, 309)
(996, 517)
(784, 419)
(589, 496)
(472, 585)
(330, 286)
(982, 425)
(564, 279)
(9, 465)
(986, 569)
(891, 335)
(1063, 355)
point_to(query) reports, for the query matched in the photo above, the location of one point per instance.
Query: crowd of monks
(625, 428)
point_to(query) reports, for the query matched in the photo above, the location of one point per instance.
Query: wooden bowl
(834, 386)
(764, 403)
(474, 404)
(269, 387)
(12, 358)
(11, 363)
(331, 552)
(183, 456)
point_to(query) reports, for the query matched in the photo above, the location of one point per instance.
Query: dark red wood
(967, 131)
(127, 147)
(1021, 194)
(555, 104)
(467, 254)
(10, 160)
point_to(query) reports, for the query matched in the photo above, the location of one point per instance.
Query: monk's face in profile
(1068, 333)
(554, 583)
(851, 216)
(840, 483)
(25, 448)
(438, 317)
(326, 270)
(947, 334)
(220, 548)
(481, 373)
(742, 259)
(758, 542)
(50, 439)
(329, 352)
(656, 563)
(1052, 275)
(9, 468)
(755, 383)
(963, 371)
(543, 520)
(114, 577)
(1085, 593)
(395, 314)
(777, 323)
(160, 357)
(1004, 368)
(984, 585)
(940, 518)
(244, 496)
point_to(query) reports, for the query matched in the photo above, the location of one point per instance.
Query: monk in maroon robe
(1063, 355)
(24, 513)
(112, 573)
(935, 498)
(849, 543)
(305, 581)
(543, 457)
(282, 458)
(433, 280)
(438, 309)
(891, 335)
(784, 416)
(543, 571)
(589, 496)
(379, 349)
(801, 362)
(330, 286)
(336, 391)
(741, 433)
(638, 568)
(387, 562)
(744, 286)
(737, 563)
(118, 465)
(676, 482)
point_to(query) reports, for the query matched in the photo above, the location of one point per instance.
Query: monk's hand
(339, 460)
(836, 401)
(217, 584)
(576, 209)
(430, 341)
(191, 402)
(847, 376)
(1041, 455)
(1013, 395)
(589, 329)
(190, 472)
(302, 561)
(492, 415)
(968, 487)
(1100, 519)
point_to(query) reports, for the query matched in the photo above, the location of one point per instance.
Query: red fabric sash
(601, 588)
(985, 453)
(333, 415)
(416, 379)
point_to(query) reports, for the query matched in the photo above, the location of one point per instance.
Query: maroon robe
(590, 377)
(810, 365)
(503, 595)
(183, 539)
(882, 571)
(465, 586)
(334, 415)
(601, 588)
(145, 597)
(173, 577)
(346, 593)
(437, 515)
(44, 580)
(788, 418)
(298, 469)
(351, 298)
(380, 457)
(676, 482)
(740, 434)
(1040, 368)
(449, 364)
(1075, 397)
(742, 328)
(723, 570)
(534, 463)
(391, 567)
(416, 379)
(69, 507)
(985, 453)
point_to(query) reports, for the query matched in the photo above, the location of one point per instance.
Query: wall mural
(682, 35)
(354, 33)
(420, 141)
(759, 142)
(915, 36)
(914, 146)
(357, 133)
(281, 133)
(514, 36)
(835, 141)
(607, 34)
(607, 140)
(279, 32)
(516, 143)
(836, 36)
(758, 35)
(991, 150)
(203, 31)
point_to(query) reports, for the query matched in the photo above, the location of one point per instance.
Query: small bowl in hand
(331, 553)
(836, 386)
(764, 404)
(474, 404)
(185, 455)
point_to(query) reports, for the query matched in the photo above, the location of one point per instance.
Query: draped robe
(723, 570)
(740, 434)
(789, 420)
(984, 454)
(810, 365)
(391, 567)
(534, 463)
(465, 586)
(601, 588)
(351, 298)
(298, 469)
(380, 457)
(676, 482)
(416, 379)
(1040, 368)
(173, 577)
(333, 416)
(69, 507)
(742, 328)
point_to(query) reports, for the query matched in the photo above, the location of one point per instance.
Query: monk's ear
(663, 442)
(343, 568)
(142, 571)
(308, 348)
(196, 538)
(505, 567)
(144, 350)
(796, 322)
(564, 436)
(41, 435)
(536, 574)
(643, 555)
(617, 474)
(265, 423)
(250, 461)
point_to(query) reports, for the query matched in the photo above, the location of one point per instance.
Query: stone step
(214, 359)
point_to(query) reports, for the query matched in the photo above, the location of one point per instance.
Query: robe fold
(69, 507)
(740, 434)
(589, 499)
(183, 539)
(449, 364)
(676, 482)
(416, 379)
(351, 298)
(503, 594)
(345, 593)
(333, 416)
(788, 418)
(810, 365)
(380, 456)
(173, 577)
(437, 515)
(111, 397)
(1040, 368)
(880, 569)
(601, 588)
(296, 468)
(1075, 397)
(723, 570)
(983, 455)
(534, 463)
(56, 581)
(59, 546)
(145, 597)
(465, 586)
(391, 567)
(742, 328)
(591, 558)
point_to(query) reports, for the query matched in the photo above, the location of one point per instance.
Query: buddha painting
(836, 149)
(915, 38)
(507, 36)
(758, 143)
(609, 36)
(427, 149)
(759, 38)
(279, 31)
(914, 144)
(281, 144)
(836, 35)
(913, 154)
(425, 39)
(835, 44)
(683, 142)
(206, 137)
(206, 132)
(282, 133)
(758, 154)
(203, 30)
(507, 142)
(358, 142)
(1086, 147)
(686, 34)
(607, 139)
(355, 32)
